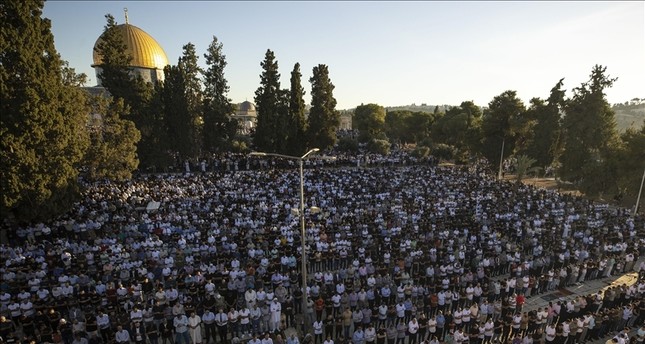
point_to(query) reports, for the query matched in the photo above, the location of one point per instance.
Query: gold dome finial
(125, 9)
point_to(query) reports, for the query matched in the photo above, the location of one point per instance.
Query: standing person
(166, 332)
(139, 333)
(401, 330)
(359, 336)
(423, 327)
(391, 333)
(208, 318)
(441, 324)
(181, 329)
(105, 327)
(318, 331)
(195, 328)
(245, 320)
(276, 313)
(221, 320)
(122, 335)
(152, 332)
(432, 327)
(381, 335)
(370, 334)
(550, 333)
(293, 339)
(267, 339)
(413, 330)
(255, 340)
(234, 322)
(347, 322)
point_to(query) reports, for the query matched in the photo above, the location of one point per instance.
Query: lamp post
(501, 159)
(640, 191)
(303, 257)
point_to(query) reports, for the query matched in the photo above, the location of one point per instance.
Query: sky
(388, 53)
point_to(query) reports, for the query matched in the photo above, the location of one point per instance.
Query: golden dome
(145, 51)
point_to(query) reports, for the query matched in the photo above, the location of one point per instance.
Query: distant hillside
(418, 108)
(629, 115)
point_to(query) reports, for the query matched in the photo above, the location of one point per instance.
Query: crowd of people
(400, 252)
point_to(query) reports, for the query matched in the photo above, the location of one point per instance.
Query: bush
(379, 147)
(347, 144)
(421, 152)
(443, 151)
(239, 146)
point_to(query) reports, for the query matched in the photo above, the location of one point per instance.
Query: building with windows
(247, 117)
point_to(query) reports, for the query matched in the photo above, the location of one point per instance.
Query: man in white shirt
(103, 322)
(413, 329)
(122, 335)
(245, 320)
(267, 339)
(221, 321)
(276, 312)
(181, 329)
(208, 318)
(195, 327)
(250, 296)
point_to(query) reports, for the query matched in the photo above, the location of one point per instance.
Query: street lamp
(303, 257)
(638, 199)
(501, 159)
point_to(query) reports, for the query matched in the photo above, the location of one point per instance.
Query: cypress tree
(267, 100)
(44, 115)
(324, 119)
(219, 129)
(296, 141)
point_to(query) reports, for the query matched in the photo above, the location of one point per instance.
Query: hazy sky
(389, 53)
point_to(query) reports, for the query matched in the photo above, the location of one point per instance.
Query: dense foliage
(219, 128)
(44, 116)
(324, 119)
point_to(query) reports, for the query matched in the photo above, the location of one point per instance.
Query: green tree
(182, 101)
(284, 125)
(524, 164)
(545, 144)
(297, 140)
(501, 125)
(154, 148)
(115, 71)
(395, 126)
(418, 126)
(116, 76)
(630, 160)
(113, 150)
(267, 98)
(324, 119)
(219, 128)
(43, 134)
(378, 146)
(369, 120)
(194, 95)
(590, 137)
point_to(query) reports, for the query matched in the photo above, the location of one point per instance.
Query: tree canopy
(502, 125)
(369, 120)
(267, 98)
(44, 116)
(219, 128)
(324, 119)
